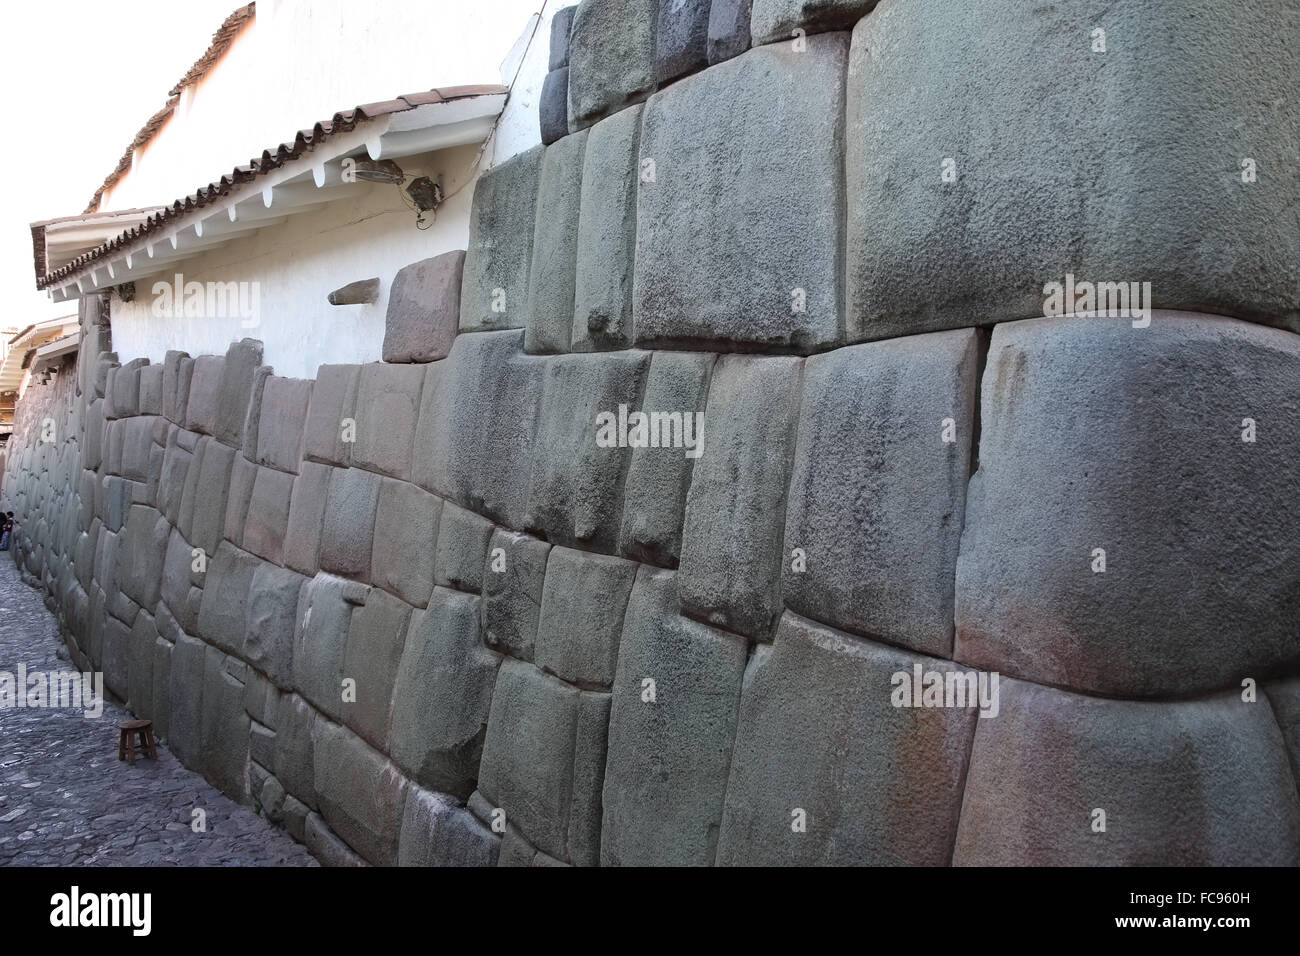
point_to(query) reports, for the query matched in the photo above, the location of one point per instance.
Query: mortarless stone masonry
(421, 613)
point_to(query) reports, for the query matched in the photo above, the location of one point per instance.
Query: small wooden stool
(143, 729)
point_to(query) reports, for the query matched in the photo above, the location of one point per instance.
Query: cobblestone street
(65, 798)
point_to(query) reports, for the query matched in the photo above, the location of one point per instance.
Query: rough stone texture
(179, 591)
(333, 400)
(361, 793)
(388, 403)
(671, 754)
(268, 514)
(748, 260)
(424, 309)
(1202, 578)
(876, 493)
(512, 595)
(253, 411)
(553, 106)
(285, 402)
(242, 476)
(406, 526)
(780, 19)
(561, 28)
(237, 375)
(1190, 783)
(573, 492)
(818, 732)
(437, 832)
(494, 290)
(306, 517)
(151, 390)
(321, 640)
(208, 521)
(173, 402)
(376, 634)
(293, 748)
(728, 29)
(222, 615)
(611, 57)
(602, 316)
(140, 555)
(555, 247)
(681, 39)
(270, 612)
(581, 618)
(654, 492)
(462, 549)
(442, 694)
(204, 394)
(731, 562)
(928, 254)
(349, 522)
(224, 725)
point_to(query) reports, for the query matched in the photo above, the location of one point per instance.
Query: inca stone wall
(438, 610)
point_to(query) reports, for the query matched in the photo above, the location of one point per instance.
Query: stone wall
(422, 611)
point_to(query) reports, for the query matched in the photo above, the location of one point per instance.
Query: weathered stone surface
(878, 488)
(494, 290)
(512, 596)
(731, 561)
(388, 403)
(224, 725)
(333, 403)
(185, 694)
(137, 441)
(307, 517)
(437, 832)
(325, 844)
(553, 106)
(361, 793)
(720, 258)
(928, 254)
(253, 411)
(151, 390)
(179, 591)
(270, 612)
(116, 657)
(611, 57)
(140, 673)
(162, 677)
(293, 748)
(285, 402)
(268, 514)
(443, 694)
(530, 753)
(573, 492)
(671, 754)
(1190, 783)
(583, 599)
(561, 28)
(774, 20)
(728, 29)
(681, 39)
(222, 614)
(237, 375)
(93, 450)
(462, 548)
(173, 400)
(376, 635)
(476, 433)
(122, 394)
(406, 527)
(555, 247)
(602, 316)
(215, 461)
(654, 492)
(321, 640)
(424, 309)
(171, 482)
(1189, 515)
(349, 523)
(243, 473)
(204, 394)
(819, 732)
(140, 555)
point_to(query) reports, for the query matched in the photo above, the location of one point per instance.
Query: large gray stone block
(553, 106)
(270, 613)
(654, 492)
(268, 514)
(151, 390)
(424, 309)
(666, 771)
(583, 599)
(1098, 435)
(212, 469)
(376, 636)
(180, 593)
(681, 39)
(224, 726)
(285, 402)
(494, 289)
(222, 613)
(1187, 783)
(137, 443)
(406, 527)
(204, 394)
(162, 677)
(253, 412)
(731, 557)
(462, 549)
(140, 682)
(332, 408)
(243, 474)
(438, 832)
(237, 376)
(1161, 165)
(513, 580)
(388, 404)
(307, 517)
(443, 694)
(878, 489)
(321, 639)
(293, 748)
(171, 482)
(728, 29)
(602, 312)
(555, 247)
(173, 400)
(577, 474)
(819, 733)
(561, 28)
(611, 57)
(116, 657)
(738, 235)
(140, 555)
(361, 793)
(773, 20)
(349, 523)
(185, 700)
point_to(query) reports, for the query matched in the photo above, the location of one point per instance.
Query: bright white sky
(82, 76)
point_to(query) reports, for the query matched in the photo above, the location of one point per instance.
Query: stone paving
(65, 798)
